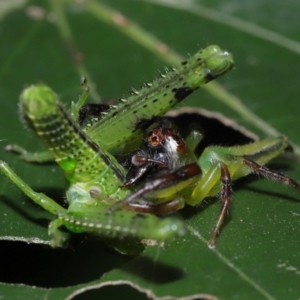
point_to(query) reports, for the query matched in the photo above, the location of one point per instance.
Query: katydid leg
(39, 198)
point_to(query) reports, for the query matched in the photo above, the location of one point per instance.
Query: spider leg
(134, 174)
(161, 184)
(157, 209)
(139, 168)
(226, 190)
(263, 170)
(226, 198)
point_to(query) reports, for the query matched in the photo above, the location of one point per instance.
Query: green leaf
(257, 254)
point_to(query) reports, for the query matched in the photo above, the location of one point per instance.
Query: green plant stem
(66, 33)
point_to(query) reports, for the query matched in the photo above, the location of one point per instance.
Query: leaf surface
(257, 254)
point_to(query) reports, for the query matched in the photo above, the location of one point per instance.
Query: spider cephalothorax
(162, 150)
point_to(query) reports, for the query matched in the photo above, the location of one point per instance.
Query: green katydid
(85, 155)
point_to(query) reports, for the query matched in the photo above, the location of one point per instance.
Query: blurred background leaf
(55, 42)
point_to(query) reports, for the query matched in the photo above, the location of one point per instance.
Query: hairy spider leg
(162, 186)
(140, 165)
(226, 192)
(220, 166)
(226, 198)
(256, 168)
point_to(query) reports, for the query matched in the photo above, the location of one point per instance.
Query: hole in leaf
(43, 266)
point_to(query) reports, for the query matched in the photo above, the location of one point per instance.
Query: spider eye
(154, 141)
